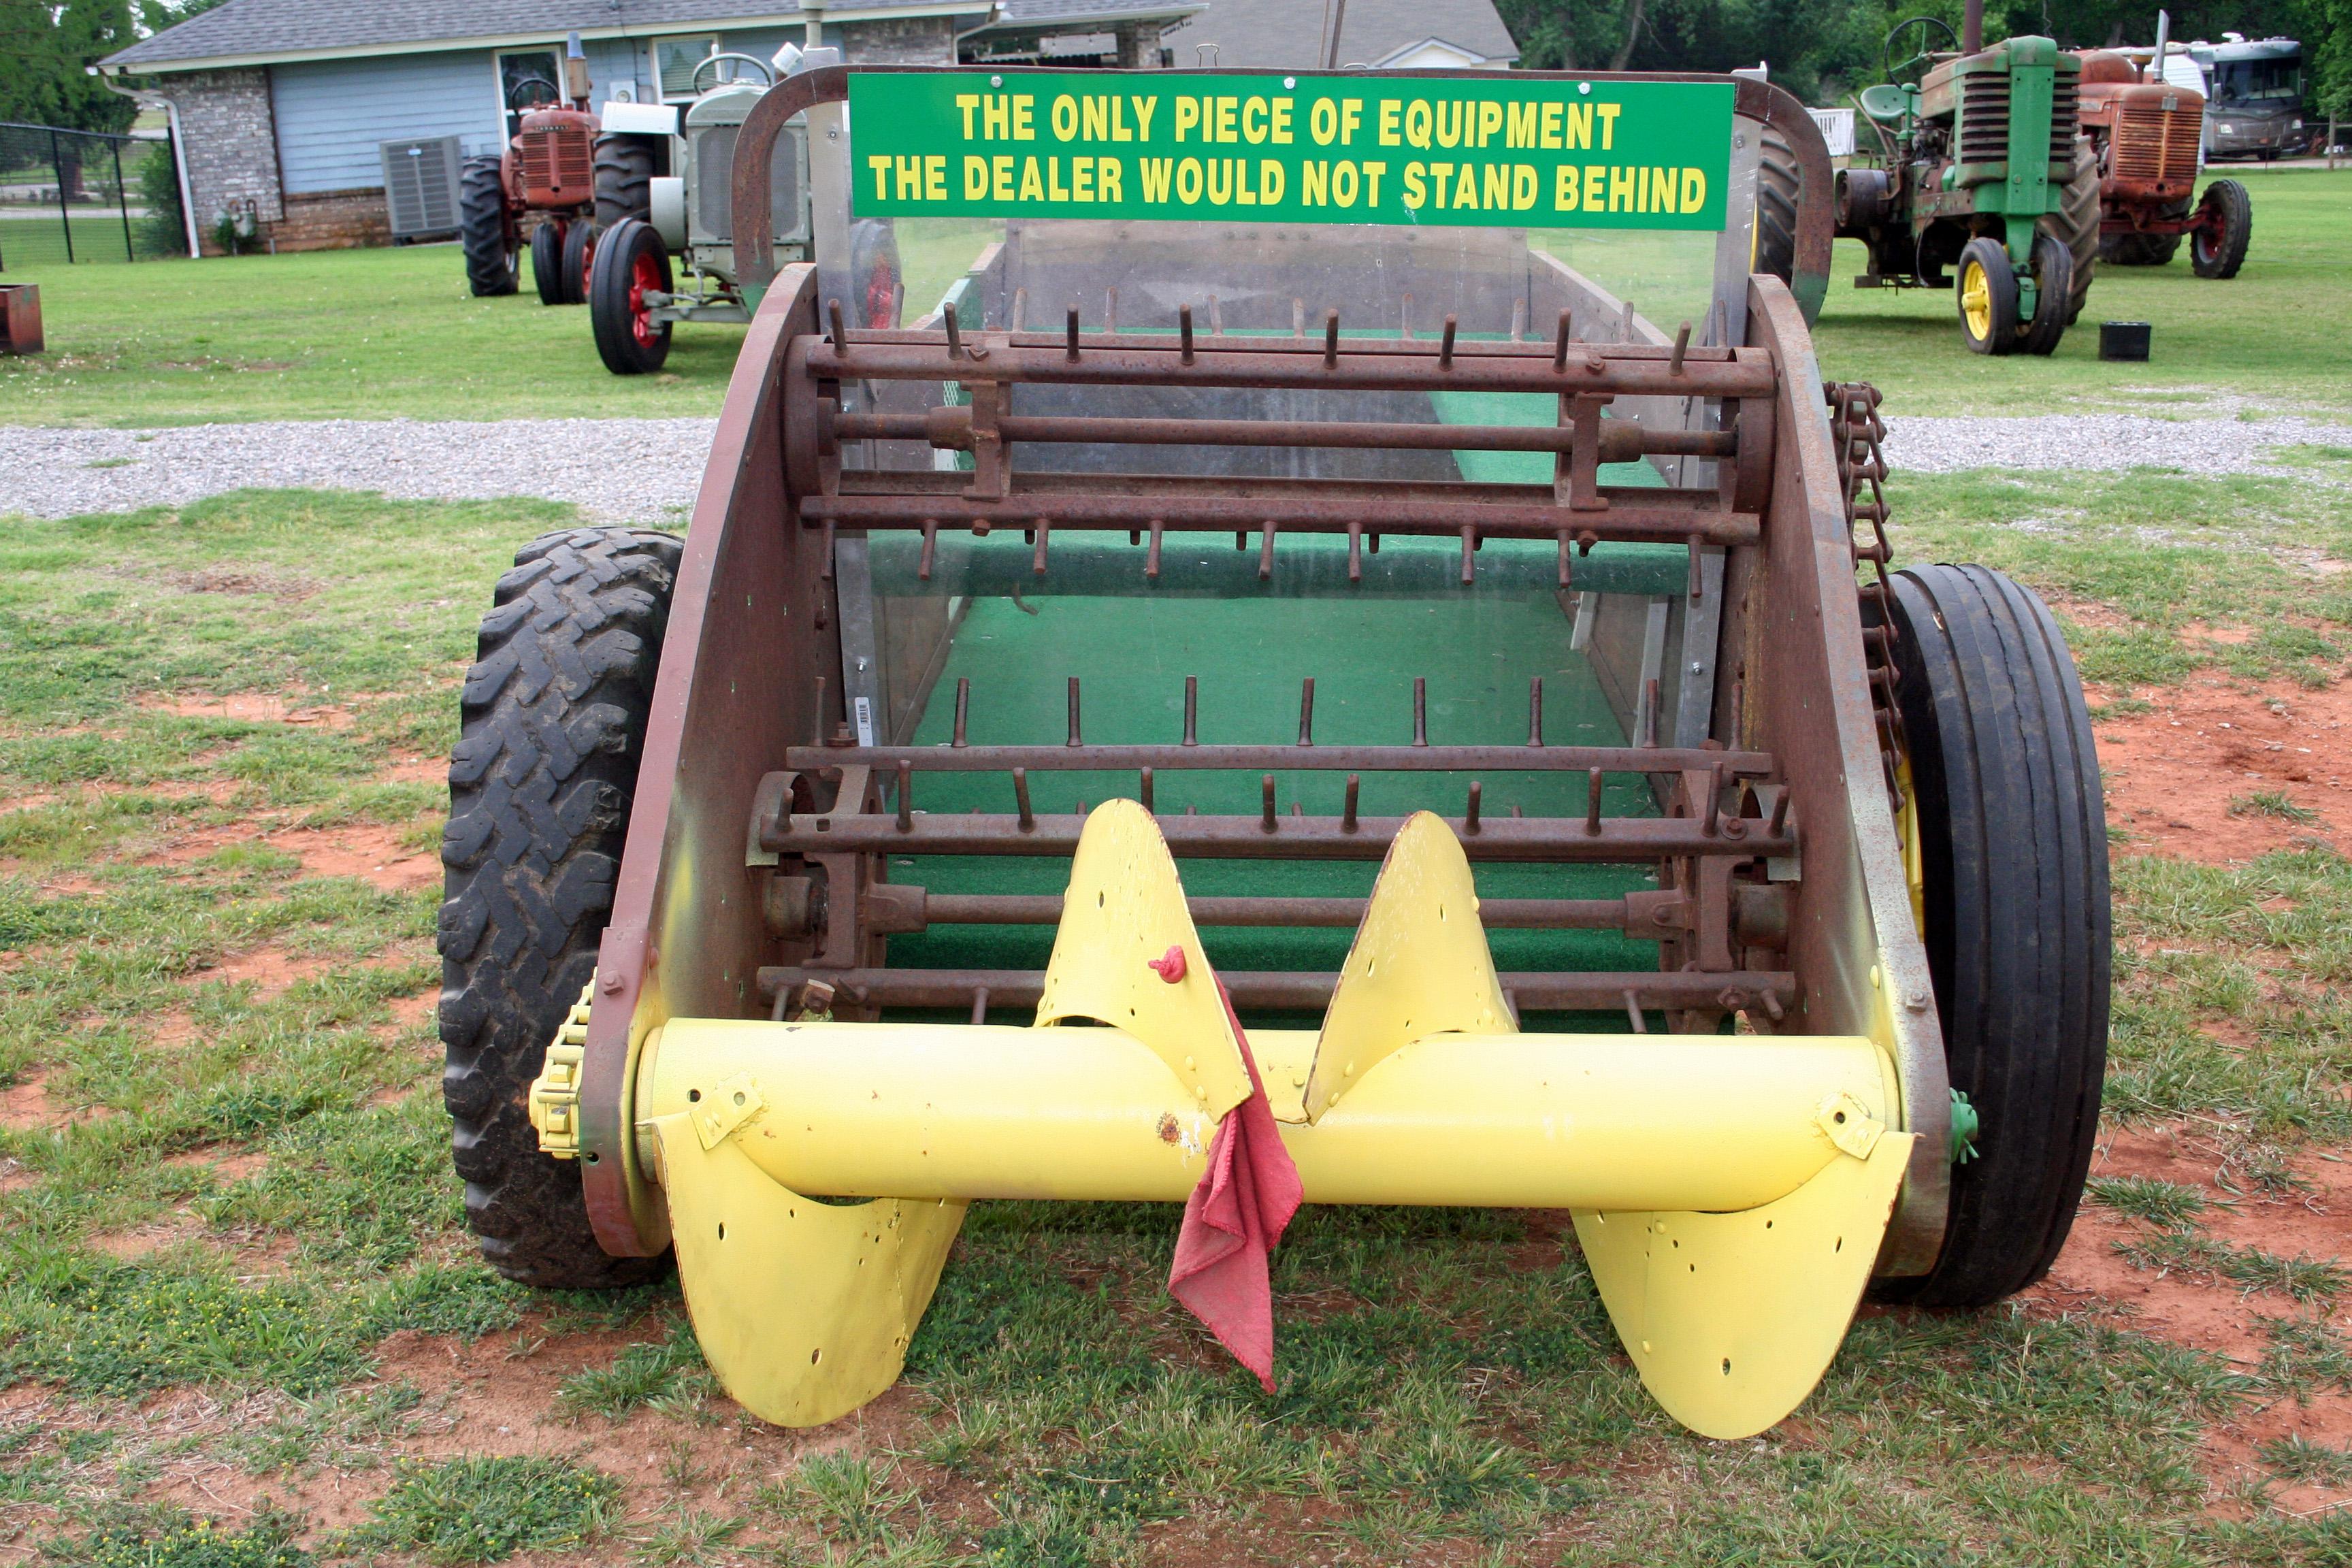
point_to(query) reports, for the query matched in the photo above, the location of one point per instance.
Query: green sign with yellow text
(1489, 151)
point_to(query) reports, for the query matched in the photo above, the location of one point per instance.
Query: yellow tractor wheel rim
(1976, 300)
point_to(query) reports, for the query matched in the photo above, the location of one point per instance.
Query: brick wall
(231, 143)
(333, 220)
(898, 41)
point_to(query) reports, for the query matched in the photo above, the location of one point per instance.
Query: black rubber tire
(2001, 279)
(2138, 250)
(875, 271)
(482, 228)
(1780, 181)
(554, 714)
(2145, 249)
(2053, 274)
(2018, 933)
(626, 346)
(624, 179)
(578, 255)
(547, 262)
(2222, 257)
(2075, 226)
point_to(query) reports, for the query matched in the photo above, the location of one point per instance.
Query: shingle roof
(1278, 34)
(245, 29)
(1033, 13)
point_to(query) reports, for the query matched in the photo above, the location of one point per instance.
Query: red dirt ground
(2172, 774)
(2209, 1314)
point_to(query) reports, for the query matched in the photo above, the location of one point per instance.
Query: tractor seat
(1885, 102)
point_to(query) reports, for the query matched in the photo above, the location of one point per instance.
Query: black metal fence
(71, 196)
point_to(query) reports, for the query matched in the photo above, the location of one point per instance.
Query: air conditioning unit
(420, 184)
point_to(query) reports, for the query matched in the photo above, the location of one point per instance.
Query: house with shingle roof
(279, 107)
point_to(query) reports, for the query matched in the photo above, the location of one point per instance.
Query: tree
(50, 46)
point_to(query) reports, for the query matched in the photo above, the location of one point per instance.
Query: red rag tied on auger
(1235, 1215)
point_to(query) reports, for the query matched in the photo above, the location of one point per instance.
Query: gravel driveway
(647, 469)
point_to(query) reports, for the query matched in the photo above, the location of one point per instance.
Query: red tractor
(549, 168)
(2145, 131)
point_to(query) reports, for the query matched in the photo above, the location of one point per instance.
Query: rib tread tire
(2018, 927)
(482, 228)
(547, 262)
(2223, 260)
(540, 781)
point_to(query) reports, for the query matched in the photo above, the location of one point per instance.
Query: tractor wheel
(630, 261)
(2075, 226)
(547, 262)
(2216, 248)
(2006, 787)
(2145, 249)
(624, 179)
(1779, 182)
(874, 263)
(579, 256)
(1988, 297)
(2055, 299)
(482, 224)
(554, 714)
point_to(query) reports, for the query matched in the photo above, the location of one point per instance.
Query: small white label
(863, 708)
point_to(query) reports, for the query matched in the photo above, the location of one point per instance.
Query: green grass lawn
(231, 1248)
(381, 334)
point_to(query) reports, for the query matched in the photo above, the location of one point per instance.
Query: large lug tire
(2075, 226)
(624, 179)
(2053, 276)
(554, 714)
(579, 256)
(2218, 247)
(482, 227)
(547, 262)
(2006, 787)
(629, 261)
(1987, 297)
(875, 272)
(1779, 182)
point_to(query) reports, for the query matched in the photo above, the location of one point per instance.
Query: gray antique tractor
(667, 254)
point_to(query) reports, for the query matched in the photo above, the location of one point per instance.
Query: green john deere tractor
(1980, 178)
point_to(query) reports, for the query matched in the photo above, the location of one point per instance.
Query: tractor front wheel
(579, 256)
(482, 226)
(2005, 789)
(1988, 297)
(547, 260)
(554, 713)
(630, 263)
(2225, 220)
(2055, 299)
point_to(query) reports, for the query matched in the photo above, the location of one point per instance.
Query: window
(519, 74)
(674, 63)
(2259, 82)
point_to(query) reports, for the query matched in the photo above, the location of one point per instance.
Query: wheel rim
(642, 275)
(1976, 299)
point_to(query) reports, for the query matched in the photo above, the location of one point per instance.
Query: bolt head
(610, 985)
